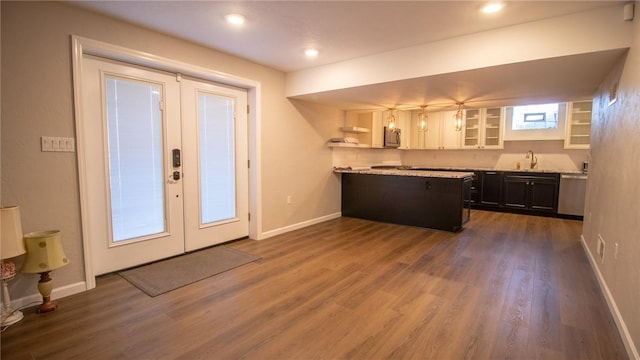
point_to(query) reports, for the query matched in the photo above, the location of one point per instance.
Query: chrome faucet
(534, 159)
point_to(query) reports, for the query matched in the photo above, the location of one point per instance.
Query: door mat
(166, 275)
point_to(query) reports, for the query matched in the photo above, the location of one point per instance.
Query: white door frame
(81, 46)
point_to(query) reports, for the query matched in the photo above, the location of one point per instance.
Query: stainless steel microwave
(391, 137)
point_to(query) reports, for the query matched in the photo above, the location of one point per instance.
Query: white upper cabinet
(472, 129)
(450, 137)
(482, 129)
(493, 128)
(578, 130)
(438, 133)
(418, 136)
(377, 130)
(432, 136)
(404, 124)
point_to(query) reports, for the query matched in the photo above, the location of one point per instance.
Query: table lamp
(44, 254)
(12, 246)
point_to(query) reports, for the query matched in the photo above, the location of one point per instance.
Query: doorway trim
(81, 46)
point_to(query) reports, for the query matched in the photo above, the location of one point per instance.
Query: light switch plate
(58, 144)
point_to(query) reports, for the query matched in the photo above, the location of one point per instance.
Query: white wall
(612, 208)
(37, 101)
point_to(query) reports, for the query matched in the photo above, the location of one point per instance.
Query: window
(535, 122)
(533, 117)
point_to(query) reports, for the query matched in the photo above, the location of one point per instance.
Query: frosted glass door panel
(129, 124)
(214, 144)
(135, 158)
(217, 158)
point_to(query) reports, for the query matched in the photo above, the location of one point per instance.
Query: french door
(165, 163)
(216, 203)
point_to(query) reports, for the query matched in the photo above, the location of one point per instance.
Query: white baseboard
(632, 351)
(57, 293)
(300, 225)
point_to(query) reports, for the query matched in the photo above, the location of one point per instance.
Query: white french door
(162, 163)
(215, 163)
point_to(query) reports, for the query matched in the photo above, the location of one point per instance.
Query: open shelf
(348, 145)
(354, 129)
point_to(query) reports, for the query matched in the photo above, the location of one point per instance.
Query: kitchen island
(432, 199)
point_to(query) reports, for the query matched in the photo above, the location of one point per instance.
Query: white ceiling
(277, 32)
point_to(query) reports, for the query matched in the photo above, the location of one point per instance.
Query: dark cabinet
(515, 192)
(535, 192)
(474, 188)
(437, 203)
(467, 185)
(510, 191)
(491, 187)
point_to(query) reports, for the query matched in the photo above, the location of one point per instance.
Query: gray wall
(37, 94)
(613, 190)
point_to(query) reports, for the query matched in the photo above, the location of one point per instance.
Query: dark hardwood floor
(506, 287)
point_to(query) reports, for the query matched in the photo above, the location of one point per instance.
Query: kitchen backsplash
(366, 157)
(551, 155)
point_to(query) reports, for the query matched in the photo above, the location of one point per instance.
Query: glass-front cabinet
(579, 125)
(483, 128)
(493, 128)
(471, 126)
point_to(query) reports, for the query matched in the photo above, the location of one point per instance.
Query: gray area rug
(166, 275)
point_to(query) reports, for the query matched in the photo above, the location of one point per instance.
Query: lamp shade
(44, 252)
(11, 232)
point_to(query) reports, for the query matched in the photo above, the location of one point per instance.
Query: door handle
(175, 176)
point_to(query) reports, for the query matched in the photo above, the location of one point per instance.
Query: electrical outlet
(600, 248)
(288, 199)
(615, 251)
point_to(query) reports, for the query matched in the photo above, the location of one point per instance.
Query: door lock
(176, 175)
(175, 155)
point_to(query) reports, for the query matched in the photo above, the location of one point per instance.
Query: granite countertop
(407, 172)
(498, 169)
(447, 169)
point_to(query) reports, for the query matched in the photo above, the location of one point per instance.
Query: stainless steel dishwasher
(572, 192)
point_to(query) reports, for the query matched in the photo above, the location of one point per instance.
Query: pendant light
(457, 119)
(391, 120)
(422, 118)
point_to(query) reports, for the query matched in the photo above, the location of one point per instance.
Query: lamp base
(45, 286)
(13, 318)
(8, 317)
(47, 306)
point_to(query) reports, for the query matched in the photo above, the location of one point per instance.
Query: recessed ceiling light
(493, 7)
(235, 19)
(311, 53)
